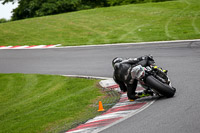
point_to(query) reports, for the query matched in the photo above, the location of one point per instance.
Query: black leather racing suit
(122, 73)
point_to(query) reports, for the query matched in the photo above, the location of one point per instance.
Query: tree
(6, 1)
(35, 8)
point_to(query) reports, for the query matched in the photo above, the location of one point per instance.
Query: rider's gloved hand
(159, 68)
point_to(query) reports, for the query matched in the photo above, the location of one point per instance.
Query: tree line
(37, 8)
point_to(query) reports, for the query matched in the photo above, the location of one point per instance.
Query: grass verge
(45, 103)
(171, 20)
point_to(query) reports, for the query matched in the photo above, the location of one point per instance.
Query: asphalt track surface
(180, 114)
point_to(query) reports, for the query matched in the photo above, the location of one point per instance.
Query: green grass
(171, 20)
(44, 103)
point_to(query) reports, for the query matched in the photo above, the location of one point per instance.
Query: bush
(3, 20)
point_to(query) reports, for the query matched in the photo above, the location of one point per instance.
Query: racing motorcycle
(154, 80)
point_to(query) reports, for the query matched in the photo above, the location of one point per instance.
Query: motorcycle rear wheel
(160, 87)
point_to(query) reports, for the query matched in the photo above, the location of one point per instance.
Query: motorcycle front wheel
(160, 87)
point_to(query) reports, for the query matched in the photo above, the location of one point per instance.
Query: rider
(123, 73)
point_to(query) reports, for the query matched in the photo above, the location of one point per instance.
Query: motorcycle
(154, 80)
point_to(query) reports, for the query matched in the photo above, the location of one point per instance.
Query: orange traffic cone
(100, 106)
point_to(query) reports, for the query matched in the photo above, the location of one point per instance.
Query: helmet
(116, 60)
(150, 56)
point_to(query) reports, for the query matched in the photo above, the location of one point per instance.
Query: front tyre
(160, 87)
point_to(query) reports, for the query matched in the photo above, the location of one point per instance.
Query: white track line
(139, 43)
(105, 45)
(88, 77)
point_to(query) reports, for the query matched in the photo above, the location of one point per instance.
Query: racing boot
(144, 93)
(134, 98)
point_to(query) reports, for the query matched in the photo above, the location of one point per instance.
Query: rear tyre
(160, 87)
